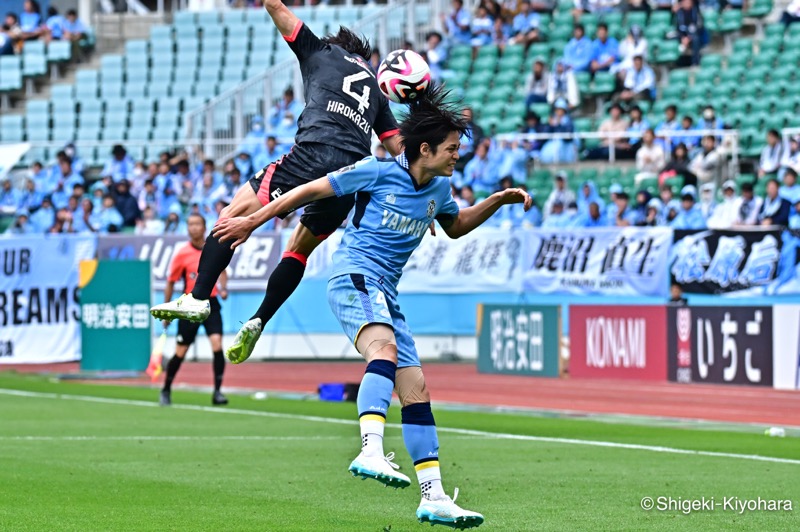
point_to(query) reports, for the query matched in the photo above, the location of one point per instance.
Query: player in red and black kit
(344, 105)
(184, 268)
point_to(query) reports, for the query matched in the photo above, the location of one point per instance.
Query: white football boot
(446, 512)
(185, 307)
(245, 342)
(381, 469)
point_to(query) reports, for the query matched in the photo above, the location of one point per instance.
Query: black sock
(219, 369)
(172, 370)
(281, 285)
(215, 258)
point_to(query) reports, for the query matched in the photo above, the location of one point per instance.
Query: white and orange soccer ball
(403, 76)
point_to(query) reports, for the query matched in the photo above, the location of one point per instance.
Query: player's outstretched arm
(282, 16)
(472, 217)
(240, 228)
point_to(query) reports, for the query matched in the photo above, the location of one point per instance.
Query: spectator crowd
(32, 24)
(130, 196)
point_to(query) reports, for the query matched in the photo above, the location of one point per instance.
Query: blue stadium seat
(234, 16)
(34, 59)
(184, 18)
(63, 134)
(10, 72)
(158, 90)
(59, 51)
(11, 128)
(136, 47)
(114, 133)
(139, 132)
(137, 89)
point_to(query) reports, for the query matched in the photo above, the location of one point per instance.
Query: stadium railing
(388, 28)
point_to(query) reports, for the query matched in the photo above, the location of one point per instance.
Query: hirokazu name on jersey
(391, 217)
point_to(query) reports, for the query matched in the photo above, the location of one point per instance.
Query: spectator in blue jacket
(45, 216)
(605, 50)
(639, 83)
(790, 190)
(775, 210)
(22, 224)
(625, 215)
(579, 50)
(55, 24)
(689, 216)
(593, 217)
(30, 198)
(588, 195)
(525, 27)
(478, 173)
(457, 23)
(9, 197)
(109, 218)
(120, 166)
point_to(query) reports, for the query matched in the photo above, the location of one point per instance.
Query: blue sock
(374, 396)
(422, 443)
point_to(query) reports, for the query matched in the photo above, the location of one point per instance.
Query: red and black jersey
(343, 101)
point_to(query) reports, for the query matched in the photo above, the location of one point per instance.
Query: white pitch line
(167, 438)
(463, 432)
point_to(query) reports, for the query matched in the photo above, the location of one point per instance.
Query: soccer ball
(403, 75)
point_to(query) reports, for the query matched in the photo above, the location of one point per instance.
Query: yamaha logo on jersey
(431, 208)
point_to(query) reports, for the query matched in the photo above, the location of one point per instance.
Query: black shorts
(187, 330)
(304, 163)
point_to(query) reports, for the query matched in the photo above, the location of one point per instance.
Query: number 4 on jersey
(363, 98)
(380, 300)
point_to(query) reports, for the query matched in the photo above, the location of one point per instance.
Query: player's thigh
(302, 241)
(187, 332)
(357, 302)
(213, 324)
(407, 355)
(325, 216)
(244, 203)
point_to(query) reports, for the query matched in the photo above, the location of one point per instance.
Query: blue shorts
(357, 301)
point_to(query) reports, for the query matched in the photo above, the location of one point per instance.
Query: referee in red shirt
(184, 267)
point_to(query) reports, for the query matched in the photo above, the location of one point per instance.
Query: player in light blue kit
(396, 200)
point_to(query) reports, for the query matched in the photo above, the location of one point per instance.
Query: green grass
(291, 474)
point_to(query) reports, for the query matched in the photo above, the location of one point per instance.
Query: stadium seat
(11, 128)
(59, 51)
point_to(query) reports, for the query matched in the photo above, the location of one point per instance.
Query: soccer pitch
(88, 457)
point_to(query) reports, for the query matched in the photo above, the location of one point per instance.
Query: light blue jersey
(392, 215)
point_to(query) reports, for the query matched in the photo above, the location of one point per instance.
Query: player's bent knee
(376, 341)
(410, 386)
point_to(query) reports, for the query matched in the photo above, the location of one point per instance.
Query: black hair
(430, 119)
(14, 16)
(183, 163)
(72, 13)
(747, 186)
(52, 11)
(197, 214)
(602, 25)
(350, 41)
(672, 107)
(209, 162)
(774, 133)
(579, 27)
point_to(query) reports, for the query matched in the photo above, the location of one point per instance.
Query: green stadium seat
(668, 52)
(740, 60)
(711, 20)
(732, 75)
(758, 9)
(706, 76)
(730, 21)
(679, 76)
(711, 61)
(604, 83)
